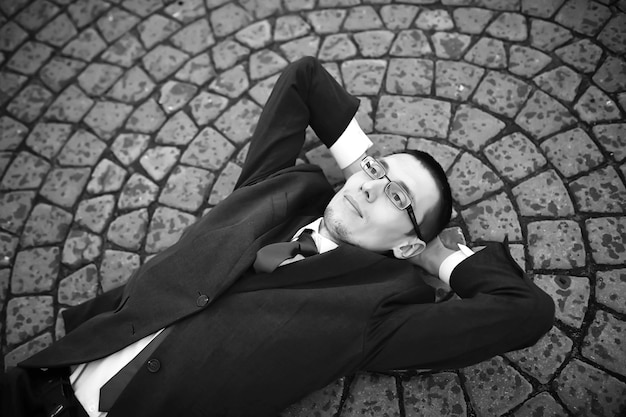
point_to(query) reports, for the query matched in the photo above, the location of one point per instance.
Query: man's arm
(305, 94)
(500, 310)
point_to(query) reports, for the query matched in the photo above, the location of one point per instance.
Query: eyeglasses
(394, 191)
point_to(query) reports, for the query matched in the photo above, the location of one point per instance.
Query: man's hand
(432, 256)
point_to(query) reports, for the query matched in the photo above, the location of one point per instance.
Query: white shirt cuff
(352, 143)
(451, 262)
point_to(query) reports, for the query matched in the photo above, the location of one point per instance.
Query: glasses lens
(373, 168)
(397, 195)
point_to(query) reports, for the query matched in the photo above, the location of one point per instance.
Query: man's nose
(372, 188)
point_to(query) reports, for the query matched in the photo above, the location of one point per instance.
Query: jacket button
(154, 365)
(202, 300)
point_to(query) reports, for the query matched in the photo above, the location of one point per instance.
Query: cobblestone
(127, 147)
(585, 389)
(544, 358)
(14, 209)
(105, 117)
(175, 95)
(28, 105)
(46, 139)
(542, 115)
(246, 114)
(165, 228)
(97, 78)
(27, 316)
(543, 195)
(159, 161)
(205, 107)
(492, 219)
(12, 133)
(410, 43)
(547, 35)
(413, 116)
(606, 238)
(80, 286)
(117, 267)
(583, 16)
(10, 84)
(146, 118)
(600, 191)
(197, 70)
(472, 128)
(471, 20)
(86, 45)
(613, 35)
(609, 286)
(364, 77)
(556, 244)
(456, 80)
(472, 180)
(194, 38)
(124, 51)
(63, 186)
(94, 213)
(35, 270)
(572, 152)
(582, 55)
(122, 120)
(602, 343)
(515, 156)
(59, 71)
(231, 83)
(372, 395)
(494, 387)
(128, 230)
(611, 75)
(138, 192)
(46, 225)
(595, 106)
(571, 296)
(509, 26)
(487, 52)
(80, 248)
(26, 171)
(82, 149)
(106, 177)
(542, 404)
(186, 188)
(561, 82)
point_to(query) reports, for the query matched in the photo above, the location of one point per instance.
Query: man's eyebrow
(402, 183)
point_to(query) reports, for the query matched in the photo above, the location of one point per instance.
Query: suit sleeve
(499, 310)
(305, 94)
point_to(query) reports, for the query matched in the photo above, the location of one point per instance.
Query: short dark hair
(436, 219)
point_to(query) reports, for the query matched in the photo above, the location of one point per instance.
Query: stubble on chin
(337, 230)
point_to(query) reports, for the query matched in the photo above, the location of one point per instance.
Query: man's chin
(334, 227)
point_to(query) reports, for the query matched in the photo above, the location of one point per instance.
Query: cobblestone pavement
(123, 120)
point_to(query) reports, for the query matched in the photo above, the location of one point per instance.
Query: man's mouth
(354, 204)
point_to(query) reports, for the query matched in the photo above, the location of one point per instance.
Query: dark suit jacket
(263, 341)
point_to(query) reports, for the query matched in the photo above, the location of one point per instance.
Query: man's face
(361, 213)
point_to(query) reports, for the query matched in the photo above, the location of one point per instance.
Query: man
(239, 335)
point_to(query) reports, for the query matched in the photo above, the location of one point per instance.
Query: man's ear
(409, 249)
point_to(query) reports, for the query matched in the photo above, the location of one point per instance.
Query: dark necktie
(269, 257)
(114, 386)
